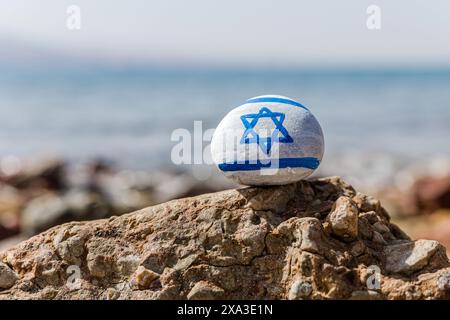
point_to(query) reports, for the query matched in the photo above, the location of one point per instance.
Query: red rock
(432, 193)
(6, 232)
(45, 172)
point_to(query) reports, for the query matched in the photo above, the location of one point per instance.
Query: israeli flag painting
(268, 140)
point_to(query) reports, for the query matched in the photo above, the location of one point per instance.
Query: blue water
(128, 115)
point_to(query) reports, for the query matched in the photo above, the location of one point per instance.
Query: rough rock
(204, 290)
(344, 219)
(39, 193)
(7, 276)
(300, 289)
(409, 257)
(40, 172)
(145, 277)
(365, 295)
(285, 242)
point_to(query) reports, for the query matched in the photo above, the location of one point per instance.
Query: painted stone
(269, 140)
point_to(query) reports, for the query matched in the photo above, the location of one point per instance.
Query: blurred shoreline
(133, 111)
(39, 192)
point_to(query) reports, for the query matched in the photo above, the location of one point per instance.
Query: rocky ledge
(310, 240)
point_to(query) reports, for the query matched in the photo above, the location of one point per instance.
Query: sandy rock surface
(309, 240)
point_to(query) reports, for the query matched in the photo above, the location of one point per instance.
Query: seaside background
(376, 122)
(117, 88)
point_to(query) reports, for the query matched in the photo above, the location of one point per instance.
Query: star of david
(279, 134)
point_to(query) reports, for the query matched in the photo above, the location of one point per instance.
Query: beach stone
(344, 219)
(217, 246)
(7, 276)
(381, 227)
(204, 290)
(69, 244)
(51, 209)
(8, 231)
(43, 212)
(378, 238)
(144, 277)
(413, 256)
(444, 281)
(268, 140)
(38, 172)
(300, 289)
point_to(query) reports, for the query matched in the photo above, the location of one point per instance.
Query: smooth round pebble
(268, 140)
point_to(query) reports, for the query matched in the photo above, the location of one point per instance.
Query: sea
(376, 122)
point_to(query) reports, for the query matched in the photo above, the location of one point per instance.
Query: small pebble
(378, 238)
(144, 277)
(344, 219)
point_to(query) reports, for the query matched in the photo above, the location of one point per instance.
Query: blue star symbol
(279, 134)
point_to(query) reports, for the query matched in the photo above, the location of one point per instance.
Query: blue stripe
(277, 100)
(307, 162)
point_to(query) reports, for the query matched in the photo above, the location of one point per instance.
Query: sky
(236, 32)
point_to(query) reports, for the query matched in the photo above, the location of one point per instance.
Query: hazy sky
(284, 32)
